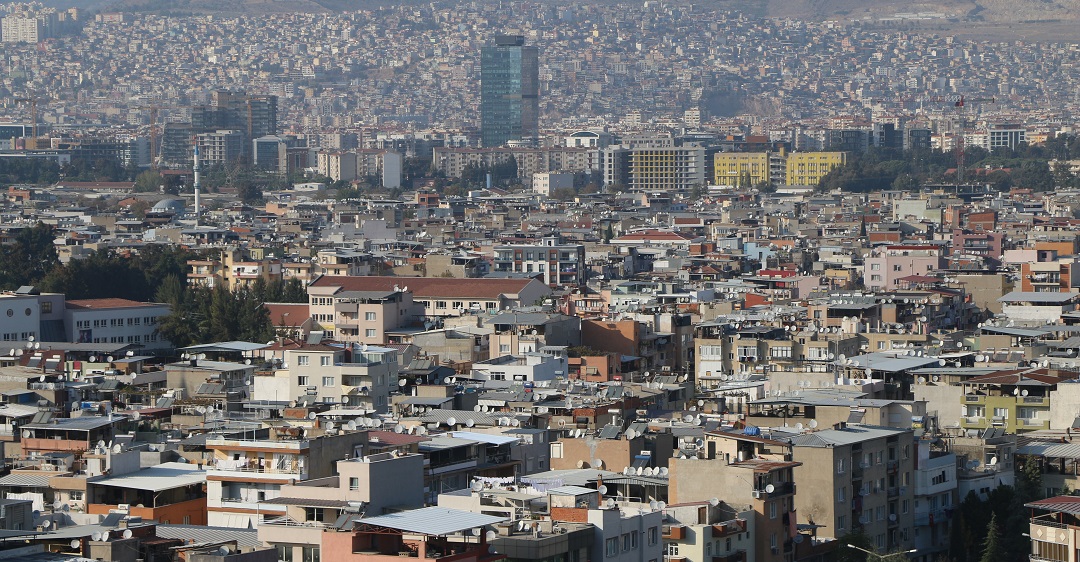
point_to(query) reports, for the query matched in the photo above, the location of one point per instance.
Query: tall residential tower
(509, 92)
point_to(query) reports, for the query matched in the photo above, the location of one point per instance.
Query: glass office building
(509, 92)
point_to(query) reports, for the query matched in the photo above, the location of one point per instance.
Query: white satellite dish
(127, 533)
(602, 489)
(714, 502)
(661, 505)
(451, 421)
(312, 415)
(813, 424)
(76, 543)
(770, 489)
(96, 536)
(398, 428)
(46, 523)
(469, 422)
(491, 535)
(329, 426)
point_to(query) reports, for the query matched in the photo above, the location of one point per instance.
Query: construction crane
(960, 102)
(33, 101)
(153, 109)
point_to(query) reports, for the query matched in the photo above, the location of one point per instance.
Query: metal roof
(165, 476)
(1064, 504)
(847, 436)
(1048, 297)
(891, 364)
(26, 480)
(432, 521)
(484, 437)
(571, 491)
(306, 502)
(225, 346)
(1019, 332)
(199, 533)
(81, 423)
(1051, 450)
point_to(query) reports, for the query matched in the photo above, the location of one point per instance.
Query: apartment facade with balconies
(869, 487)
(559, 264)
(243, 474)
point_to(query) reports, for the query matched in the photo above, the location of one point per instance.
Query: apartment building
(362, 486)
(667, 168)
(360, 377)
(243, 473)
(807, 168)
(741, 169)
(869, 486)
(220, 147)
(760, 488)
(888, 264)
(558, 263)
(519, 334)
(115, 320)
(233, 267)
(1015, 401)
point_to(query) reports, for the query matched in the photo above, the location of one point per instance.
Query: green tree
(991, 550)
(149, 180)
(29, 258)
(1029, 481)
(855, 538)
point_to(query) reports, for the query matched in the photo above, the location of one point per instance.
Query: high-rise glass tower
(509, 92)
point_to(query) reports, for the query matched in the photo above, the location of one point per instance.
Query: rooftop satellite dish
(26, 433)
(76, 543)
(477, 532)
(714, 502)
(813, 424)
(96, 536)
(799, 426)
(127, 533)
(110, 359)
(602, 489)
(630, 434)
(311, 415)
(993, 460)
(451, 421)
(1024, 392)
(398, 428)
(491, 535)
(135, 415)
(478, 408)
(329, 425)
(46, 523)
(469, 422)
(653, 505)
(117, 448)
(41, 378)
(610, 503)
(661, 505)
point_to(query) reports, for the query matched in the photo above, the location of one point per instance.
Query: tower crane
(33, 101)
(960, 102)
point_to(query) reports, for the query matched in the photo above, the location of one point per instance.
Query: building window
(652, 535)
(626, 542)
(841, 522)
(302, 380)
(46, 307)
(772, 510)
(841, 494)
(611, 547)
(328, 381)
(284, 553)
(354, 483)
(369, 316)
(370, 333)
(670, 549)
(324, 361)
(302, 360)
(440, 304)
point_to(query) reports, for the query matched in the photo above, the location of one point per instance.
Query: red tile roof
(429, 287)
(287, 314)
(107, 303)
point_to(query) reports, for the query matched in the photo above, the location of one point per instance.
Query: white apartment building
(115, 321)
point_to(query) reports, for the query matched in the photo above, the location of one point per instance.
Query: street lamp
(881, 556)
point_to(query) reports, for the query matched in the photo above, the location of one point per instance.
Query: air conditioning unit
(756, 494)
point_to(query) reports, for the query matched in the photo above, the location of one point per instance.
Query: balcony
(974, 422)
(974, 399)
(1035, 400)
(673, 532)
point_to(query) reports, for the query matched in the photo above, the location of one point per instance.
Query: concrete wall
(944, 400)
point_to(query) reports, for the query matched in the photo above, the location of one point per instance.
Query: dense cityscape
(538, 282)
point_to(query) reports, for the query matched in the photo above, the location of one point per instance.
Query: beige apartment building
(858, 477)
